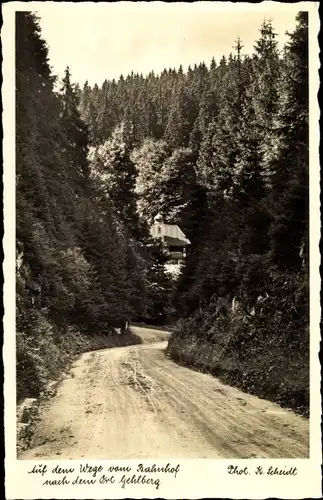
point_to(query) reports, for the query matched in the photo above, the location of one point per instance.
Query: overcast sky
(105, 40)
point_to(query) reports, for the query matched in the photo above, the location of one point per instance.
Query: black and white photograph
(163, 240)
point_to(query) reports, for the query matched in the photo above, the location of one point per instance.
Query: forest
(219, 148)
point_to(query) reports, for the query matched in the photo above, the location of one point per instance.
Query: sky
(104, 40)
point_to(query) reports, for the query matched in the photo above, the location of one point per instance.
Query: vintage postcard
(161, 250)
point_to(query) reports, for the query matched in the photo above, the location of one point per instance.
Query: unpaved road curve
(133, 402)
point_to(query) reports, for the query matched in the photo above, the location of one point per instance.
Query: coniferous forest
(219, 148)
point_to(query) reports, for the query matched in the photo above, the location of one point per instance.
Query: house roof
(174, 242)
(171, 233)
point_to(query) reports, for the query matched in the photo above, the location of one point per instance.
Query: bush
(266, 354)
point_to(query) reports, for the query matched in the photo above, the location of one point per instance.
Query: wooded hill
(79, 264)
(220, 149)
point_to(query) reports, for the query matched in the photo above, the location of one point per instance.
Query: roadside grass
(262, 361)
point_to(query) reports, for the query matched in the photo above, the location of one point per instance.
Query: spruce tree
(289, 165)
(75, 131)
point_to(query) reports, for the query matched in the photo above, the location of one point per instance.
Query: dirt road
(133, 402)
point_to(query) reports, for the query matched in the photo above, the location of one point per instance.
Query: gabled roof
(170, 231)
(174, 242)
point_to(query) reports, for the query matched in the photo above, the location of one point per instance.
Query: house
(173, 239)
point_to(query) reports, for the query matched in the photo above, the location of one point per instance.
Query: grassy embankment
(266, 355)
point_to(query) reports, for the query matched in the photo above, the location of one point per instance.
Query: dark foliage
(80, 263)
(222, 151)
